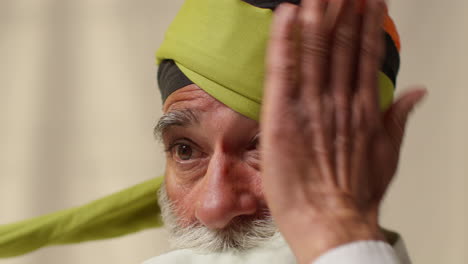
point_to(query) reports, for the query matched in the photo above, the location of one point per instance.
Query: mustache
(243, 233)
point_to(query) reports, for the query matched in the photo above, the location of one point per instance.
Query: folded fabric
(220, 45)
(125, 212)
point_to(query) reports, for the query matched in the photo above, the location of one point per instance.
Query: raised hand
(329, 152)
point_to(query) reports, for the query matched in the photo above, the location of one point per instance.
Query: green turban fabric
(218, 45)
(224, 53)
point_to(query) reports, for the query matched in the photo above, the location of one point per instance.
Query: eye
(183, 151)
(254, 143)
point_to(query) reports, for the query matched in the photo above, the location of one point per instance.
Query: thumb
(397, 116)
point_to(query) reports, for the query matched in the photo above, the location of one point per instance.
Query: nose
(225, 194)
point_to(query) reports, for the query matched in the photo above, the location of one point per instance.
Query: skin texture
(221, 181)
(328, 152)
(321, 111)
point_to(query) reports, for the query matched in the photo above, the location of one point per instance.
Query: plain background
(78, 101)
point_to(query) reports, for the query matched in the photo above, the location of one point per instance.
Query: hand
(328, 151)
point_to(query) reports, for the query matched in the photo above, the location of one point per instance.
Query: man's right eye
(183, 151)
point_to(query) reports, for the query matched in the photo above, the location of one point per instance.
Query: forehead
(191, 97)
(205, 113)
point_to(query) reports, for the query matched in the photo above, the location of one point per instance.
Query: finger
(359, 157)
(343, 59)
(318, 20)
(343, 62)
(371, 51)
(314, 48)
(282, 57)
(277, 122)
(397, 116)
(333, 13)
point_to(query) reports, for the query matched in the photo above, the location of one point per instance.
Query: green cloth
(125, 212)
(220, 45)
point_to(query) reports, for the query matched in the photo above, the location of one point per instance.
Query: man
(327, 152)
(318, 163)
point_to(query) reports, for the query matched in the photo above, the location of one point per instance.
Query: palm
(328, 152)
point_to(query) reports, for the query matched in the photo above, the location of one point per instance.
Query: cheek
(251, 180)
(257, 191)
(248, 172)
(182, 196)
(187, 173)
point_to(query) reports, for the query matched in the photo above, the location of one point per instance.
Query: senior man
(327, 152)
(295, 175)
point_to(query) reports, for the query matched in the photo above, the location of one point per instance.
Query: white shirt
(277, 251)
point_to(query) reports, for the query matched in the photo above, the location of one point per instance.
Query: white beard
(240, 235)
(257, 241)
(272, 252)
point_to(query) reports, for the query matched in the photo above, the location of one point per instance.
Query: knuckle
(286, 71)
(369, 48)
(368, 51)
(345, 39)
(285, 68)
(309, 21)
(316, 46)
(314, 38)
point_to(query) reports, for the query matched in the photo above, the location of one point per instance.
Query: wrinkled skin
(221, 180)
(328, 152)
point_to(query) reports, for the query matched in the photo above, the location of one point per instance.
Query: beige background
(78, 101)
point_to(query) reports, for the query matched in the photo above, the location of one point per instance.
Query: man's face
(212, 182)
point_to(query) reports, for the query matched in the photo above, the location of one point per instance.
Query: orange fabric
(390, 28)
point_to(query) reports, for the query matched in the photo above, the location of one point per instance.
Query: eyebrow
(183, 117)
